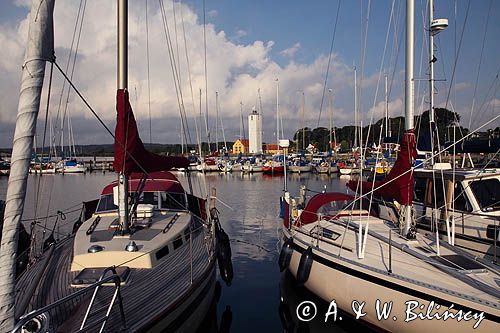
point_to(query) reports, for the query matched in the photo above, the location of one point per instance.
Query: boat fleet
(421, 242)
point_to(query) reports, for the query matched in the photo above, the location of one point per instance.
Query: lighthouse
(255, 132)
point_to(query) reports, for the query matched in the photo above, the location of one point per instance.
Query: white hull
(301, 168)
(251, 168)
(368, 280)
(326, 169)
(74, 169)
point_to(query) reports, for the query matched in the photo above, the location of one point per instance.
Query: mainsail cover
(130, 154)
(398, 184)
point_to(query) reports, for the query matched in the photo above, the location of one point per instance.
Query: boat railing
(114, 278)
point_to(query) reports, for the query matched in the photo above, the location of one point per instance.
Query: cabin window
(419, 189)
(172, 201)
(106, 203)
(461, 201)
(487, 193)
(148, 198)
(162, 252)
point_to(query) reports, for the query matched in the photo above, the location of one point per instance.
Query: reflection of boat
(144, 260)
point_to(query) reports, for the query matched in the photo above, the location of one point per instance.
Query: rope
(329, 61)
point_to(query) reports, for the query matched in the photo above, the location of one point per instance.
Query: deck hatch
(92, 275)
(457, 261)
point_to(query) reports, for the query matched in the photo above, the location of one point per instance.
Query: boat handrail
(23, 320)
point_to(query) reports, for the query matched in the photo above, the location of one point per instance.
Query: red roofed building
(271, 148)
(240, 146)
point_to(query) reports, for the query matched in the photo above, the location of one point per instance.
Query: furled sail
(398, 184)
(130, 154)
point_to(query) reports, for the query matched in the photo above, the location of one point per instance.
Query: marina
(378, 219)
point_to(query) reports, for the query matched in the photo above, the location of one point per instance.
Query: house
(271, 148)
(240, 146)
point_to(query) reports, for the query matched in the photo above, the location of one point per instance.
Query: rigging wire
(457, 54)
(206, 73)
(329, 61)
(75, 54)
(479, 65)
(67, 70)
(148, 76)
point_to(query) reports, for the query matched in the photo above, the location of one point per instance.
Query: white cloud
(235, 70)
(290, 52)
(212, 13)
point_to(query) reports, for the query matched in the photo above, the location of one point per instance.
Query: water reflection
(249, 211)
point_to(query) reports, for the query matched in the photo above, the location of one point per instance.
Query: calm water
(249, 206)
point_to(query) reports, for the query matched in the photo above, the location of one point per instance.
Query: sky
(255, 46)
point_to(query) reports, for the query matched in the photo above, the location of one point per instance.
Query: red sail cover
(127, 136)
(398, 184)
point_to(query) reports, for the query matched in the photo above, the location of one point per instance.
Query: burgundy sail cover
(398, 184)
(127, 137)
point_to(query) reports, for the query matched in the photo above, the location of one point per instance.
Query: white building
(255, 132)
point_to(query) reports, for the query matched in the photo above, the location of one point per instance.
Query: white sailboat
(336, 246)
(144, 260)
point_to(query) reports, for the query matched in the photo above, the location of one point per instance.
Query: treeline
(345, 136)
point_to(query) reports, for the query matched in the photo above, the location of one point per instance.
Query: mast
(122, 83)
(409, 87)
(355, 110)
(431, 79)
(330, 119)
(303, 131)
(241, 120)
(386, 109)
(216, 121)
(277, 114)
(39, 49)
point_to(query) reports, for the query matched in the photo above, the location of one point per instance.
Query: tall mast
(241, 120)
(355, 109)
(122, 83)
(431, 79)
(216, 121)
(386, 109)
(277, 114)
(409, 87)
(39, 50)
(330, 118)
(409, 84)
(303, 132)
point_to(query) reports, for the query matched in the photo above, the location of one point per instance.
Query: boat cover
(136, 158)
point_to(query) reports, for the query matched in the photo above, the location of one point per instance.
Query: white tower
(255, 132)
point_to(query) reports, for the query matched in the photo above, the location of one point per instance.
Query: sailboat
(276, 165)
(337, 246)
(144, 260)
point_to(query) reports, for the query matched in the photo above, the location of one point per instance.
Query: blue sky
(257, 41)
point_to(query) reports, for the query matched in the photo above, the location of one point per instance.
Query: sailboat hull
(333, 277)
(170, 296)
